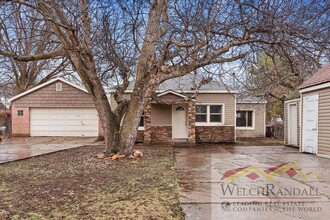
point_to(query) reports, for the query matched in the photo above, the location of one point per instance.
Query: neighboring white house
(308, 118)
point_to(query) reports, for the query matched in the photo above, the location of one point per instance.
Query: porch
(172, 119)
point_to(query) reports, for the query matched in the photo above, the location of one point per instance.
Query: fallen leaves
(101, 156)
(117, 156)
(78, 185)
(135, 154)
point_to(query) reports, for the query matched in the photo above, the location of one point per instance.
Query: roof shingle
(321, 76)
(188, 83)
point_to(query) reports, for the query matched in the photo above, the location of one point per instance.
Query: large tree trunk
(140, 98)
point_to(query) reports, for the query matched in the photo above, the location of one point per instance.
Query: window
(201, 113)
(215, 113)
(244, 118)
(20, 112)
(209, 113)
(58, 87)
(179, 108)
(141, 124)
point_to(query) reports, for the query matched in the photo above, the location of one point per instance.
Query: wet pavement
(21, 148)
(252, 182)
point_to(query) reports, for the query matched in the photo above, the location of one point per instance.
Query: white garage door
(69, 122)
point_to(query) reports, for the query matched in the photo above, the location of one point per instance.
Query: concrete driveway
(252, 182)
(21, 148)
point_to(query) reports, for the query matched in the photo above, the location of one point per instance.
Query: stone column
(191, 122)
(147, 124)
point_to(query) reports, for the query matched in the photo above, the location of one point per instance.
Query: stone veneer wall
(147, 124)
(191, 122)
(140, 136)
(161, 134)
(215, 133)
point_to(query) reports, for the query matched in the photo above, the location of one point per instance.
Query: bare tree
(154, 41)
(276, 73)
(22, 32)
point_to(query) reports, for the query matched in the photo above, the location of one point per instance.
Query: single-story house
(313, 114)
(214, 114)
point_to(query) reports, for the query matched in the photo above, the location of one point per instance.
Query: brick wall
(215, 133)
(161, 134)
(20, 124)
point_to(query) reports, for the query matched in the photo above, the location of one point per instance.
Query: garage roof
(320, 77)
(46, 84)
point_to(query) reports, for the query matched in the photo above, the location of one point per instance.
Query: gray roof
(251, 99)
(188, 82)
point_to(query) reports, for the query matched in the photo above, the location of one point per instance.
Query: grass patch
(74, 184)
(259, 141)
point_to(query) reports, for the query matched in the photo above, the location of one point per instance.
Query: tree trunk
(140, 97)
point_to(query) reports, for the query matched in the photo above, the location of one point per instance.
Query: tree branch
(27, 58)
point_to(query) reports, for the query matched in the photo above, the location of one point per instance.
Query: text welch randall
(229, 189)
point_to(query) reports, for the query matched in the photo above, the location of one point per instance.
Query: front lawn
(74, 184)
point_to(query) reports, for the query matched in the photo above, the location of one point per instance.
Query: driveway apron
(252, 182)
(21, 148)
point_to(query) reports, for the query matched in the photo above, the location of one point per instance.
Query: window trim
(253, 120)
(208, 123)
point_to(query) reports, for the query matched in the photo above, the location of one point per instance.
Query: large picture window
(244, 118)
(209, 113)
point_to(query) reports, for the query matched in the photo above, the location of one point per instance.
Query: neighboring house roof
(320, 77)
(188, 84)
(46, 84)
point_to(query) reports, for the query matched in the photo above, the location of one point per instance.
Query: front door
(310, 122)
(179, 122)
(293, 125)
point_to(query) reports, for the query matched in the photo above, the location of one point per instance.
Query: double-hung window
(244, 119)
(209, 114)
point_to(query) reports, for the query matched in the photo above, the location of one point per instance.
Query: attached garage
(55, 108)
